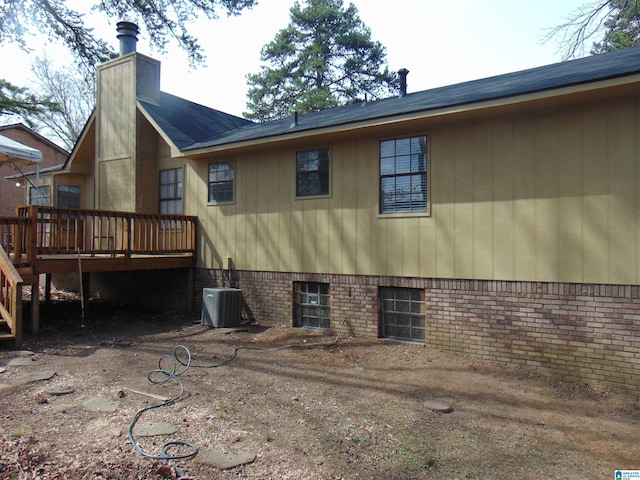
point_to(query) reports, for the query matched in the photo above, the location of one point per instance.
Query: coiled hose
(179, 362)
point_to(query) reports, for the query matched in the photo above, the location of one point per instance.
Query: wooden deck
(46, 240)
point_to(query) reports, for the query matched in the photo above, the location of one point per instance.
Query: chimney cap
(128, 36)
(403, 72)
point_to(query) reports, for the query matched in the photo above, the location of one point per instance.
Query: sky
(439, 42)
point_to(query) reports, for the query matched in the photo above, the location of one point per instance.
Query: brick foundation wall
(585, 333)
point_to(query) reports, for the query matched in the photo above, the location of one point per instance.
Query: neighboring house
(498, 218)
(15, 192)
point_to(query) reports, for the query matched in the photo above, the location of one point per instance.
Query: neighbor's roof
(575, 72)
(187, 123)
(40, 138)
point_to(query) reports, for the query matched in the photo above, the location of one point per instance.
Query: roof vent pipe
(295, 120)
(403, 81)
(128, 36)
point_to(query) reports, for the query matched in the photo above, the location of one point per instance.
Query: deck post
(129, 221)
(47, 288)
(86, 286)
(35, 306)
(189, 290)
(17, 308)
(32, 249)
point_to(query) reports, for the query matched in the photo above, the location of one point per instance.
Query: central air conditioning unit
(221, 307)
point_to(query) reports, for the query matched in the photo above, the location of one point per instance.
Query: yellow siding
(549, 194)
(116, 133)
(595, 252)
(116, 100)
(116, 192)
(503, 209)
(569, 173)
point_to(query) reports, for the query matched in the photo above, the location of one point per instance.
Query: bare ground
(328, 408)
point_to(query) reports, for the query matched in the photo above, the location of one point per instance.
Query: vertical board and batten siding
(117, 108)
(546, 195)
(116, 138)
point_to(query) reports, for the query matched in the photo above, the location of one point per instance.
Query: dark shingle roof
(585, 70)
(187, 123)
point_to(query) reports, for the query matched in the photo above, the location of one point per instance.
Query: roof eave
(417, 114)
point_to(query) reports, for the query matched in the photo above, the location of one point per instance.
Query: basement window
(402, 314)
(311, 305)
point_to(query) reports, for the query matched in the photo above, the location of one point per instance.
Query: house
(14, 193)
(498, 218)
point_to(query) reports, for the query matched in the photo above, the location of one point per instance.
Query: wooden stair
(10, 301)
(4, 334)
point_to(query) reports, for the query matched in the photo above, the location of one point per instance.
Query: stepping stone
(436, 406)
(3, 369)
(33, 377)
(151, 429)
(222, 460)
(20, 362)
(20, 353)
(100, 404)
(58, 391)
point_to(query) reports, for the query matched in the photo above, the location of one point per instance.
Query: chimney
(128, 36)
(403, 81)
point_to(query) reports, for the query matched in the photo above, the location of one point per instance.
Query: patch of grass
(222, 411)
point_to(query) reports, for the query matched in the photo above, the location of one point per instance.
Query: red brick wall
(10, 195)
(586, 333)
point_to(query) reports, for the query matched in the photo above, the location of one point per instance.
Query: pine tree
(324, 58)
(622, 27)
(615, 22)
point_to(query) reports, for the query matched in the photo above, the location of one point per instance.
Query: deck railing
(13, 238)
(10, 298)
(40, 230)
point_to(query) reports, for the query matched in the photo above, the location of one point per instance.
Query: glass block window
(312, 172)
(402, 314)
(221, 182)
(170, 191)
(68, 196)
(403, 175)
(40, 196)
(311, 305)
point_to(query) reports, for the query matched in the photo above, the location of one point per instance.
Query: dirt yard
(332, 407)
